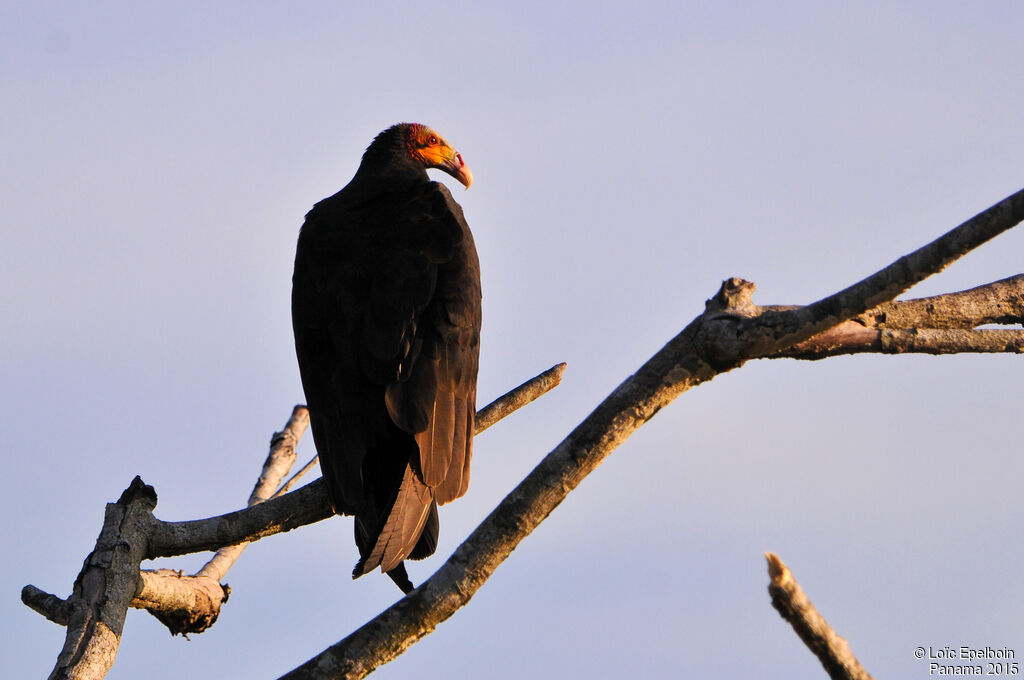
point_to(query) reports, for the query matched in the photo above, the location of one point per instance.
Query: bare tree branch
(295, 509)
(518, 398)
(52, 607)
(852, 338)
(105, 587)
(792, 604)
(111, 580)
(999, 302)
(185, 604)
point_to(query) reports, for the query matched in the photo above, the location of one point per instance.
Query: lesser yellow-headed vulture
(386, 313)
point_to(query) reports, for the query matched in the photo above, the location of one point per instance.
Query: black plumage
(386, 313)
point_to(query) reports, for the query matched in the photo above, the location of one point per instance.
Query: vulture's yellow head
(433, 151)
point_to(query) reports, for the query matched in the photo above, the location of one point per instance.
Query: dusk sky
(158, 159)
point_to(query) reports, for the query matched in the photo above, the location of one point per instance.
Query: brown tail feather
(403, 527)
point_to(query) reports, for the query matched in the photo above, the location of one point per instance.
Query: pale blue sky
(158, 161)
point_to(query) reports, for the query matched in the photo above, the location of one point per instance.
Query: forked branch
(940, 324)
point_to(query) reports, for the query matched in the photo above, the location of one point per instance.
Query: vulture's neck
(387, 163)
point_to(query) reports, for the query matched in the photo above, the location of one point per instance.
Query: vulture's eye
(433, 140)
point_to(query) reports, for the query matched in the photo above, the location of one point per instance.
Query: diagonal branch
(792, 604)
(517, 398)
(286, 487)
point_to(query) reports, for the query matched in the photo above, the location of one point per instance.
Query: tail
(400, 537)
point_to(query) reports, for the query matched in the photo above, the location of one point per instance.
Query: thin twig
(517, 398)
(294, 478)
(279, 460)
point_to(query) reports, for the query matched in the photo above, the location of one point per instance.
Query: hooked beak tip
(465, 175)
